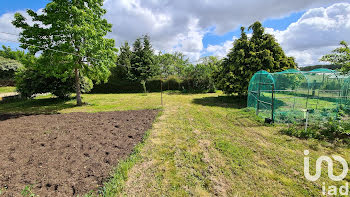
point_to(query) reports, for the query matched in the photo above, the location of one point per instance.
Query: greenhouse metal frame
(292, 95)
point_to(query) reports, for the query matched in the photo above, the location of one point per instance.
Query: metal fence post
(161, 90)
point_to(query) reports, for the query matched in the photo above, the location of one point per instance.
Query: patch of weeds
(27, 192)
(299, 132)
(288, 117)
(332, 130)
(335, 129)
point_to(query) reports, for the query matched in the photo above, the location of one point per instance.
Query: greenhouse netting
(293, 95)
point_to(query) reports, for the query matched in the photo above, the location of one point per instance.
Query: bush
(8, 67)
(330, 130)
(31, 80)
(300, 132)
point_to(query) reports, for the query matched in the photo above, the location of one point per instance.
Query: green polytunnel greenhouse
(293, 95)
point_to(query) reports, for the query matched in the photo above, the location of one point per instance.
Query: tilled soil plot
(66, 154)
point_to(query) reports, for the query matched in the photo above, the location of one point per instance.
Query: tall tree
(142, 61)
(213, 63)
(340, 56)
(70, 34)
(181, 63)
(164, 64)
(148, 67)
(249, 55)
(171, 64)
(123, 62)
(136, 60)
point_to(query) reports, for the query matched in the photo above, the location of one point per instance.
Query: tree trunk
(77, 87)
(143, 82)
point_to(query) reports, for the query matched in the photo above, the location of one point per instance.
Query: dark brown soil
(66, 154)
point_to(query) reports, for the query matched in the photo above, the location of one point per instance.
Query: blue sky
(208, 29)
(277, 24)
(12, 6)
(15, 5)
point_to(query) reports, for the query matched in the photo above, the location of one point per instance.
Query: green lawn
(95, 103)
(7, 89)
(203, 145)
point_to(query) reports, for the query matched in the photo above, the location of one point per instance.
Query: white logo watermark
(331, 190)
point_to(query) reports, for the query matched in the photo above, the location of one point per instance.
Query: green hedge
(152, 85)
(126, 86)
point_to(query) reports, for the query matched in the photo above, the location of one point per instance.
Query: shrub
(31, 80)
(8, 67)
(333, 129)
(300, 132)
(330, 130)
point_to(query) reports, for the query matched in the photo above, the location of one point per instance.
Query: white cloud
(131, 19)
(221, 50)
(7, 27)
(316, 33)
(181, 25)
(191, 43)
(8, 32)
(226, 15)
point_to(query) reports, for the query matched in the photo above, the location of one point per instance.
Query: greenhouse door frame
(267, 103)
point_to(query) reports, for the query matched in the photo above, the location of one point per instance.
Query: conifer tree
(248, 56)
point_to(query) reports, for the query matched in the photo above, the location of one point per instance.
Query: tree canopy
(169, 64)
(70, 35)
(123, 62)
(340, 56)
(249, 55)
(7, 52)
(141, 66)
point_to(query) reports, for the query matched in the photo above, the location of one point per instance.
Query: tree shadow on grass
(25, 107)
(222, 101)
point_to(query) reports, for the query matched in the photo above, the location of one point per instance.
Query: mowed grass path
(204, 145)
